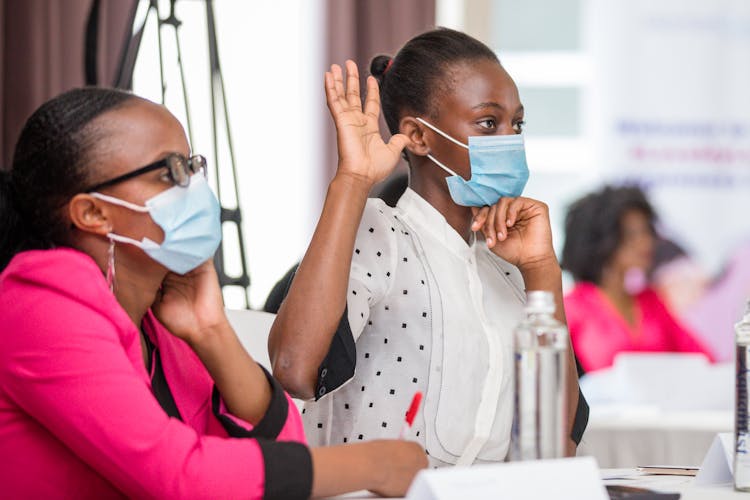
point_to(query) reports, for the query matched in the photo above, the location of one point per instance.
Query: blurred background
(626, 91)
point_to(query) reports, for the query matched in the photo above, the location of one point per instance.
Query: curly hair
(593, 229)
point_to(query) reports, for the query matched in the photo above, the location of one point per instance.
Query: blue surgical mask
(498, 169)
(189, 217)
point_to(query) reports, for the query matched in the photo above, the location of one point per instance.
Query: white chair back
(253, 327)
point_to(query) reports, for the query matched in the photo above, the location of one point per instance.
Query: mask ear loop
(122, 203)
(111, 265)
(438, 131)
(442, 166)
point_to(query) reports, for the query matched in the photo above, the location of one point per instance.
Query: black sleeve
(338, 365)
(272, 422)
(288, 470)
(581, 418)
(279, 291)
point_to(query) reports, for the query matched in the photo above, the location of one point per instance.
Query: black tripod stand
(219, 109)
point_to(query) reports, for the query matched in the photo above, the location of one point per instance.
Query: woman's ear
(411, 128)
(90, 215)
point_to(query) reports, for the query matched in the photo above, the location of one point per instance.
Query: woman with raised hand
(423, 296)
(119, 372)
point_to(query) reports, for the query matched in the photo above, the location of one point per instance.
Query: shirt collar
(420, 213)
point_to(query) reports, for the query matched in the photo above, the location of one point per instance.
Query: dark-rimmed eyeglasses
(179, 169)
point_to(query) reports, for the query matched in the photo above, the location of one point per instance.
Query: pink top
(77, 415)
(598, 331)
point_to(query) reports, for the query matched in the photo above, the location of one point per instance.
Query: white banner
(671, 103)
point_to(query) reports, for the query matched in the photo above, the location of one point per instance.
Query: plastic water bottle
(540, 345)
(741, 409)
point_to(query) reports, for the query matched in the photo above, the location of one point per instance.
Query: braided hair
(49, 167)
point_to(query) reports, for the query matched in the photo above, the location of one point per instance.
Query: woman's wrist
(544, 263)
(346, 197)
(356, 183)
(209, 338)
(542, 273)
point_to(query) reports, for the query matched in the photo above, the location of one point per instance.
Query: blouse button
(323, 372)
(322, 390)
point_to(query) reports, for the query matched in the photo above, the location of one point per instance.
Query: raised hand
(362, 151)
(517, 230)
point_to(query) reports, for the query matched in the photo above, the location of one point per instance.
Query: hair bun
(379, 65)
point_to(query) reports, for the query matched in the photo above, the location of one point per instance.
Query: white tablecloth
(630, 477)
(629, 437)
(678, 484)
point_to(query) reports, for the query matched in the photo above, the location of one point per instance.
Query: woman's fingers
(480, 215)
(332, 98)
(344, 96)
(398, 142)
(514, 210)
(488, 228)
(352, 84)
(338, 80)
(372, 101)
(501, 216)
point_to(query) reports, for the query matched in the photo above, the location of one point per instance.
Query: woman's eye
(518, 126)
(165, 177)
(489, 123)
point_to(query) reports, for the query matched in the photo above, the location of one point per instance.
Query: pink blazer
(77, 415)
(598, 331)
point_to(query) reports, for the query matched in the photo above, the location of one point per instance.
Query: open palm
(362, 151)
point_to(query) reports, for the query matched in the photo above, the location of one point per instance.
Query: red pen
(413, 409)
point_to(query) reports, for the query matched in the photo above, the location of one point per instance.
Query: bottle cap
(540, 301)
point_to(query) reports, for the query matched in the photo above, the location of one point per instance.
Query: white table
(630, 477)
(631, 436)
(679, 484)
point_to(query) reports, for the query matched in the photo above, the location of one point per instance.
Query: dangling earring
(111, 265)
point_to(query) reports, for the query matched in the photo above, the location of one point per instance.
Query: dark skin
(190, 306)
(481, 99)
(636, 250)
(487, 104)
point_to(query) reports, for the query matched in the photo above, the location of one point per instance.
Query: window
(271, 58)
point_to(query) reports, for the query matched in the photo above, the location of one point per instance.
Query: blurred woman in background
(609, 250)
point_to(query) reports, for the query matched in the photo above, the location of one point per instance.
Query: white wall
(271, 56)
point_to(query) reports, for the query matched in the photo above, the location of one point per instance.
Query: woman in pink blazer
(119, 372)
(609, 245)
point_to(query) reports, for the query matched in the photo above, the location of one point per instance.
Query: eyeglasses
(179, 169)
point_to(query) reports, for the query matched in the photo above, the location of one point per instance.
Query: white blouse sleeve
(373, 263)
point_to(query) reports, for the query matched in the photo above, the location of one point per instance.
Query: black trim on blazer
(272, 422)
(288, 470)
(159, 387)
